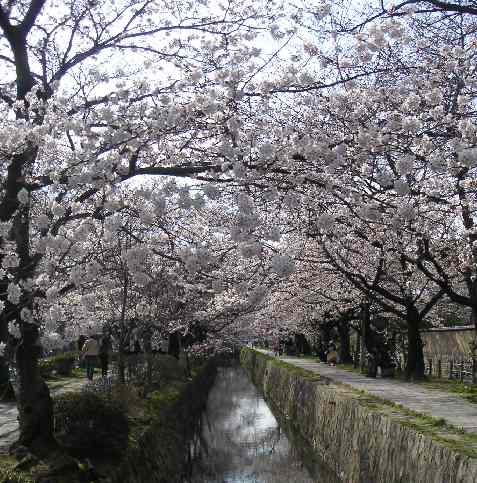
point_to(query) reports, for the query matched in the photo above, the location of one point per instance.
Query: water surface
(240, 441)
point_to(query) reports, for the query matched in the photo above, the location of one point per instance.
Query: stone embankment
(160, 454)
(360, 438)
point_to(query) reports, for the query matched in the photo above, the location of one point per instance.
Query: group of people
(93, 351)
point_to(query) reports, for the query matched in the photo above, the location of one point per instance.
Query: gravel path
(9, 430)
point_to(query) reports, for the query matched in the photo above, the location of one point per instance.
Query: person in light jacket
(90, 352)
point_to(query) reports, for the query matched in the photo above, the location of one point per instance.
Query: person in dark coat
(104, 350)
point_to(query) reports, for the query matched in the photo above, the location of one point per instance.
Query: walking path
(437, 404)
(9, 430)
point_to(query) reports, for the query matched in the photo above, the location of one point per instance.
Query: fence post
(451, 368)
(439, 368)
(461, 375)
(430, 367)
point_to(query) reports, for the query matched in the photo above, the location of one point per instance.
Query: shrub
(164, 399)
(11, 476)
(46, 367)
(88, 424)
(125, 396)
(64, 363)
(61, 364)
(166, 368)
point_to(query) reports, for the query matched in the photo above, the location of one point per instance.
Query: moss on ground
(468, 392)
(297, 371)
(438, 429)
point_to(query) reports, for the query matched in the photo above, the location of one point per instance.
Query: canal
(240, 441)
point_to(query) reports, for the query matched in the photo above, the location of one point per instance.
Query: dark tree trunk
(174, 345)
(415, 357)
(357, 350)
(6, 388)
(33, 397)
(365, 321)
(302, 344)
(35, 406)
(473, 312)
(345, 346)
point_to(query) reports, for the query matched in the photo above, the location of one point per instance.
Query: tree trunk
(35, 406)
(121, 363)
(345, 347)
(174, 348)
(415, 357)
(363, 336)
(149, 361)
(6, 388)
(357, 350)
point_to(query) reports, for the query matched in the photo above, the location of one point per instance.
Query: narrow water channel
(240, 441)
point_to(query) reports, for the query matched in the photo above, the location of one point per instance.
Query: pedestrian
(90, 352)
(332, 355)
(104, 349)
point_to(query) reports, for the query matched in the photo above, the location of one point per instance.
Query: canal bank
(119, 433)
(159, 453)
(362, 438)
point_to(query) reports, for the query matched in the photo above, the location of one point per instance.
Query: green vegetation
(87, 423)
(465, 391)
(297, 371)
(59, 365)
(438, 429)
(109, 426)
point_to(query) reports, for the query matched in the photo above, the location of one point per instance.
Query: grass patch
(467, 392)
(438, 429)
(297, 371)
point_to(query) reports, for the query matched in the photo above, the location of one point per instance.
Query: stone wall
(160, 454)
(359, 444)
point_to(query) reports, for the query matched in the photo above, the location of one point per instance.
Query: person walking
(90, 352)
(104, 349)
(332, 355)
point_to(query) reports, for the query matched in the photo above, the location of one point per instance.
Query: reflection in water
(240, 440)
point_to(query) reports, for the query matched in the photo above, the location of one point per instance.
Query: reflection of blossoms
(26, 315)
(10, 261)
(5, 228)
(2, 348)
(23, 196)
(14, 329)
(13, 293)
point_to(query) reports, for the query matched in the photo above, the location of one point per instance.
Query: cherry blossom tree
(82, 114)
